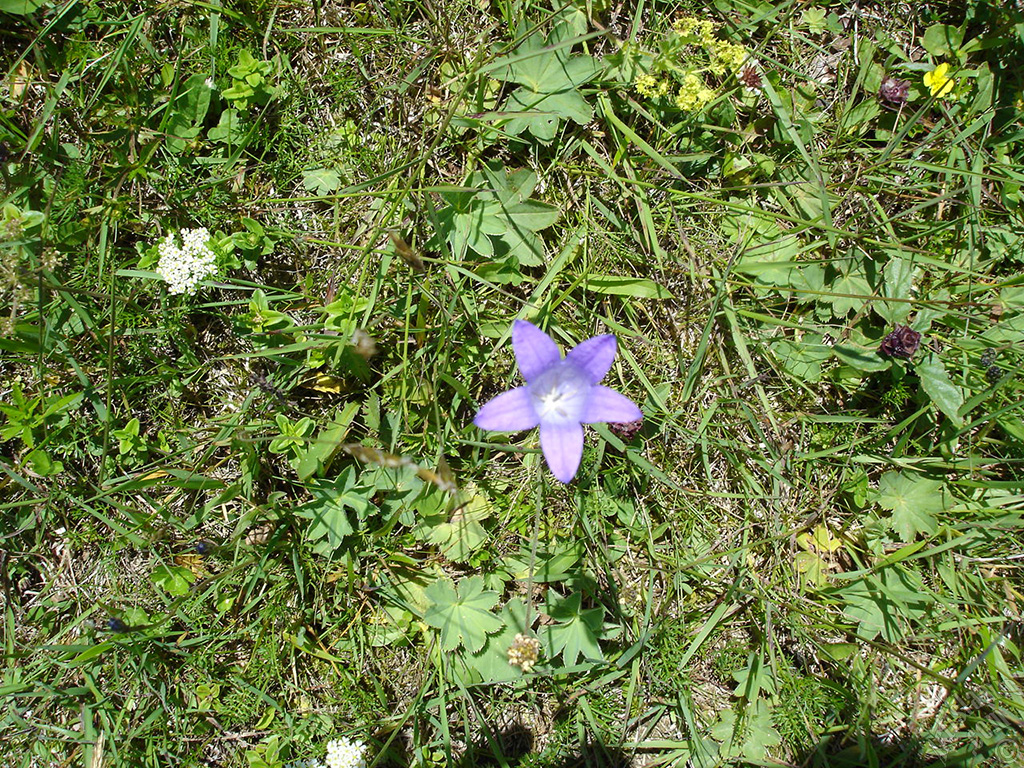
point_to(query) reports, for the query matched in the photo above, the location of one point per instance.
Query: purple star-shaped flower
(561, 395)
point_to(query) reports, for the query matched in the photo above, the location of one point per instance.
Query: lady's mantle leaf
(914, 502)
(492, 660)
(174, 579)
(322, 181)
(328, 513)
(462, 614)
(577, 631)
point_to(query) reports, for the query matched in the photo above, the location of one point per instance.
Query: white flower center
(560, 393)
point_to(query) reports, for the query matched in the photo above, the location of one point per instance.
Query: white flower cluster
(341, 753)
(346, 753)
(183, 268)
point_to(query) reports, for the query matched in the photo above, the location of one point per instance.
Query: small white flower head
(186, 266)
(523, 652)
(345, 753)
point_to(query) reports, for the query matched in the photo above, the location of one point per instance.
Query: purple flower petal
(563, 448)
(535, 351)
(604, 404)
(594, 356)
(510, 411)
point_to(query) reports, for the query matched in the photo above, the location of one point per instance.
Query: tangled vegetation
(261, 263)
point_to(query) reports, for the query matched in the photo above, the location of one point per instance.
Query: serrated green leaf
(840, 651)
(761, 733)
(321, 181)
(849, 290)
(525, 248)
(802, 359)
(228, 129)
(771, 261)
(914, 502)
(530, 215)
(462, 534)
(495, 221)
(333, 500)
(753, 678)
(812, 568)
(173, 579)
(871, 612)
(463, 615)
(576, 632)
(540, 113)
(946, 395)
(491, 661)
(545, 70)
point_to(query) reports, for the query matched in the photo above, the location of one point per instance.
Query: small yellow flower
(693, 30)
(706, 31)
(646, 85)
(685, 26)
(693, 95)
(937, 82)
(726, 57)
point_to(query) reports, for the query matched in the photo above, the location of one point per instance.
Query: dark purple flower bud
(894, 92)
(116, 625)
(902, 342)
(625, 430)
(993, 373)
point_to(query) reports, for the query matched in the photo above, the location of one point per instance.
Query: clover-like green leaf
(174, 579)
(229, 129)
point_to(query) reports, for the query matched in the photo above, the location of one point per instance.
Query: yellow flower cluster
(726, 56)
(691, 38)
(650, 86)
(693, 29)
(693, 95)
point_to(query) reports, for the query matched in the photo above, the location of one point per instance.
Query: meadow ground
(261, 262)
